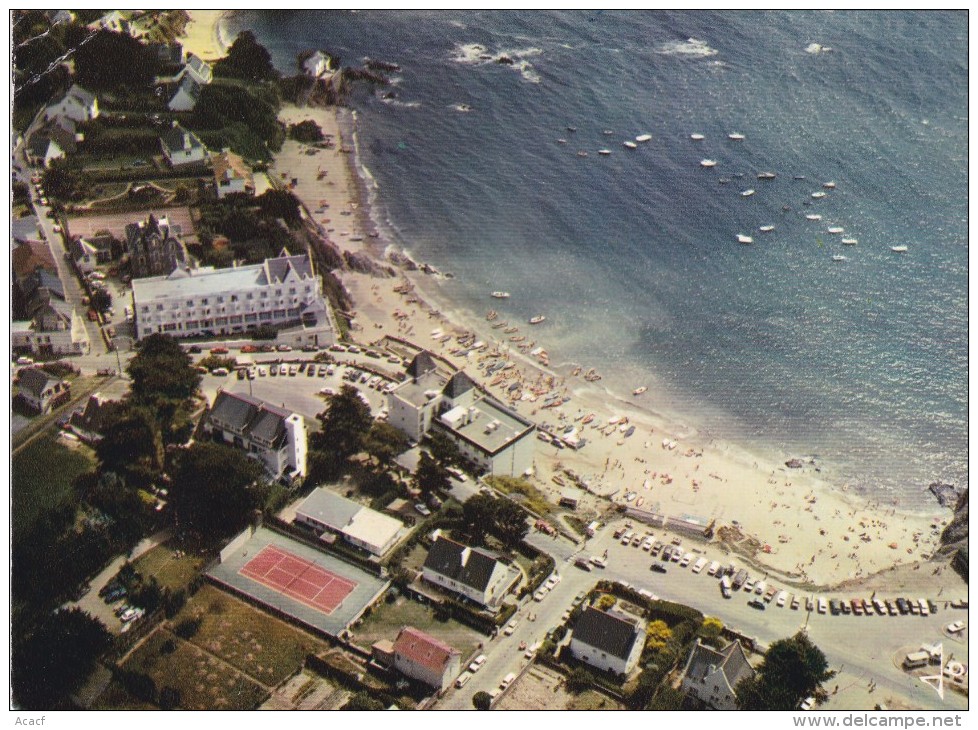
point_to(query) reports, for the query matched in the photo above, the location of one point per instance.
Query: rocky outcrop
(402, 260)
(954, 539)
(363, 263)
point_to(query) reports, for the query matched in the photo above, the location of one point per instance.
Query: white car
(507, 680)
(782, 597)
(511, 627)
(540, 594)
(477, 663)
(714, 567)
(552, 581)
(422, 510)
(687, 559)
(807, 704)
(823, 605)
(647, 543)
(699, 565)
(955, 628)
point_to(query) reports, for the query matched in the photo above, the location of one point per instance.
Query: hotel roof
(489, 425)
(208, 280)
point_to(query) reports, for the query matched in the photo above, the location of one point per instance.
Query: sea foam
(689, 47)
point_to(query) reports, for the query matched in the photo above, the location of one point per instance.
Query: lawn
(204, 682)
(42, 474)
(387, 619)
(171, 571)
(258, 644)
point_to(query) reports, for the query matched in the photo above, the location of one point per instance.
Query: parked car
(477, 663)
(658, 568)
(511, 627)
(757, 603)
(582, 564)
(422, 510)
(507, 680)
(955, 627)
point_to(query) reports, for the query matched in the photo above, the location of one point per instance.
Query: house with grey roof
(40, 391)
(608, 641)
(181, 147)
(78, 104)
(274, 436)
(186, 96)
(330, 514)
(491, 436)
(52, 326)
(711, 676)
(89, 422)
(469, 572)
(55, 139)
(154, 247)
(198, 69)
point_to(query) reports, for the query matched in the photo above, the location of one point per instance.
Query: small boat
(604, 152)
(571, 129)
(511, 330)
(630, 431)
(500, 295)
(898, 249)
(813, 217)
(766, 229)
(741, 238)
(799, 177)
(491, 315)
(630, 145)
(819, 194)
(588, 418)
(581, 153)
(736, 136)
(836, 229)
(608, 132)
(839, 257)
(696, 137)
(643, 138)
(640, 501)
(561, 141)
(639, 391)
(747, 193)
(850, 241)
(614, 420)
(708, 163)
(766, 176)
(829, 185)
(537, 319)
(723, 181)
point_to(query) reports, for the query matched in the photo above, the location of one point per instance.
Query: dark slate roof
(35, 381)
(421, 364)
(606, 632)
(278, 268)
(458, 385)
(731, 660)
(43, 279)
(446, 556)
(173, 138)
(250, 416)
(190, 87)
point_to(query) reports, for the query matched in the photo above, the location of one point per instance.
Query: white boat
(766, 176)
(839, 257)
(813, 217)
(898, 249)
(836, 229)
(748, 193)
(643, 138)
(829, 185)
(639, 391)
(696, 137)
(604, 152)
(766, 229)
(850, 241)
(708, 163)
(562, 141)
(819, 194)
(500, 295)
(741, 238)
(537, 320)
(630, 145)
(581, 153)
(737, 136)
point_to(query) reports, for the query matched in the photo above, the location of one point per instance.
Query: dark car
(902, 605)
(194, 349)
(583, 564)
(758, 604)
(932, 606)
(835, 606)
(658, 568)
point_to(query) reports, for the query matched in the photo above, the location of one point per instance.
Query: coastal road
(863, 646)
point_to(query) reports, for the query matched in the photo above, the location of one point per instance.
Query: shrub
(187, 628)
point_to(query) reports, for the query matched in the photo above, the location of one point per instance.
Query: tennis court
(297, 578)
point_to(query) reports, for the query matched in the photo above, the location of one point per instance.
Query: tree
(108, 61)
(345, 423)
(63, 179)
(444, 449)
(246, 59)
(792, 670)
(430, 476)
(101, 300)
(478, 514)
(362, 701)
(384, 442)
(657, 635)
(306, 131)
(578, 680)
(482, 700)
(275, 203)
(161, 370)
(606, 601)
(510, 522)
(214, 490)
(711, 628)
(54, 660)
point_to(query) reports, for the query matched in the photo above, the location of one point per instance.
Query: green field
(170, 571)
(387, 619)
(42, 475)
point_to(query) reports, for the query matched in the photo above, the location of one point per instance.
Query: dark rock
(794, 463)
(505, 60)
(947, 494)
(381, 66)
(363, 263)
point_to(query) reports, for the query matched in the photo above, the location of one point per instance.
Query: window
(204, 301)
(250, 296)
(234, 297)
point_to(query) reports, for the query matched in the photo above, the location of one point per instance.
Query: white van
(698, 565)
(507, 680)
(916, 659)
(462, 679)
(823, 605)
(714, 567)
(782, 597)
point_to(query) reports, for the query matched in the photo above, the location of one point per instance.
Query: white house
(275, 436)
(711, 677)
(608, 641)
(77, 104)
(186, 96)
(198, 69)
(42, 391)
(318, 65)
(181, 147)
(486, 432)
(468, 571)
(54, 328)
(231, 174)
(426, 659)
(113, 21)
(206, 301)
(328, 512)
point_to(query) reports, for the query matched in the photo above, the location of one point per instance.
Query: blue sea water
(633, 256)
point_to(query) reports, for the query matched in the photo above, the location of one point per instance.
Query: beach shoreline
(202, 36)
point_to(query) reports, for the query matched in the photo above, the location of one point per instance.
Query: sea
(476, 151)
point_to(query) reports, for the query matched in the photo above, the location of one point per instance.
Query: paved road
(864, 646)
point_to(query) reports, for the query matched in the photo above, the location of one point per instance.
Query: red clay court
(297, 578)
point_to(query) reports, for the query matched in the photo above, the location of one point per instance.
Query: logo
(936, 681)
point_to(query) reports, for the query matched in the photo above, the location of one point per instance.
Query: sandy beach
(202, 34)
(788, 520)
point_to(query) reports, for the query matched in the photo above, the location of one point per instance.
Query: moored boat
(696, 136)
(708, 163)
(898, 249)
(850, 241)
(741, 238)
(828, 185)
(643, 138)
(736, 136)
(630, 145)
(640, 390)
(604, 152)
(766, 229)
(747, 193)
(813, 217)
(500, 295)
(537, 319)
(819, 194)
(766, 176)
(839, 257)
(836, 229)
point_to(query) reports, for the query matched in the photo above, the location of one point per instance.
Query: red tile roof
(30, 256)
(423, 649)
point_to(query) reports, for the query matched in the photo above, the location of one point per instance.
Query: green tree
(130, 439)
(214, 490)
(606, 601)
(482, 700)
(362, 701)
(246, 59)
(657, 635)
(478, 515)
(161, 370)
(306, 131)
(578, 680)
(275, 203)
(443, 449)
(711, 628)
(430, 476)
(108, 61)
(792, 670)
(345, 423)
(64, 179)
(101, 300)
(384, 442)
(510, 522)
(53, 661)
